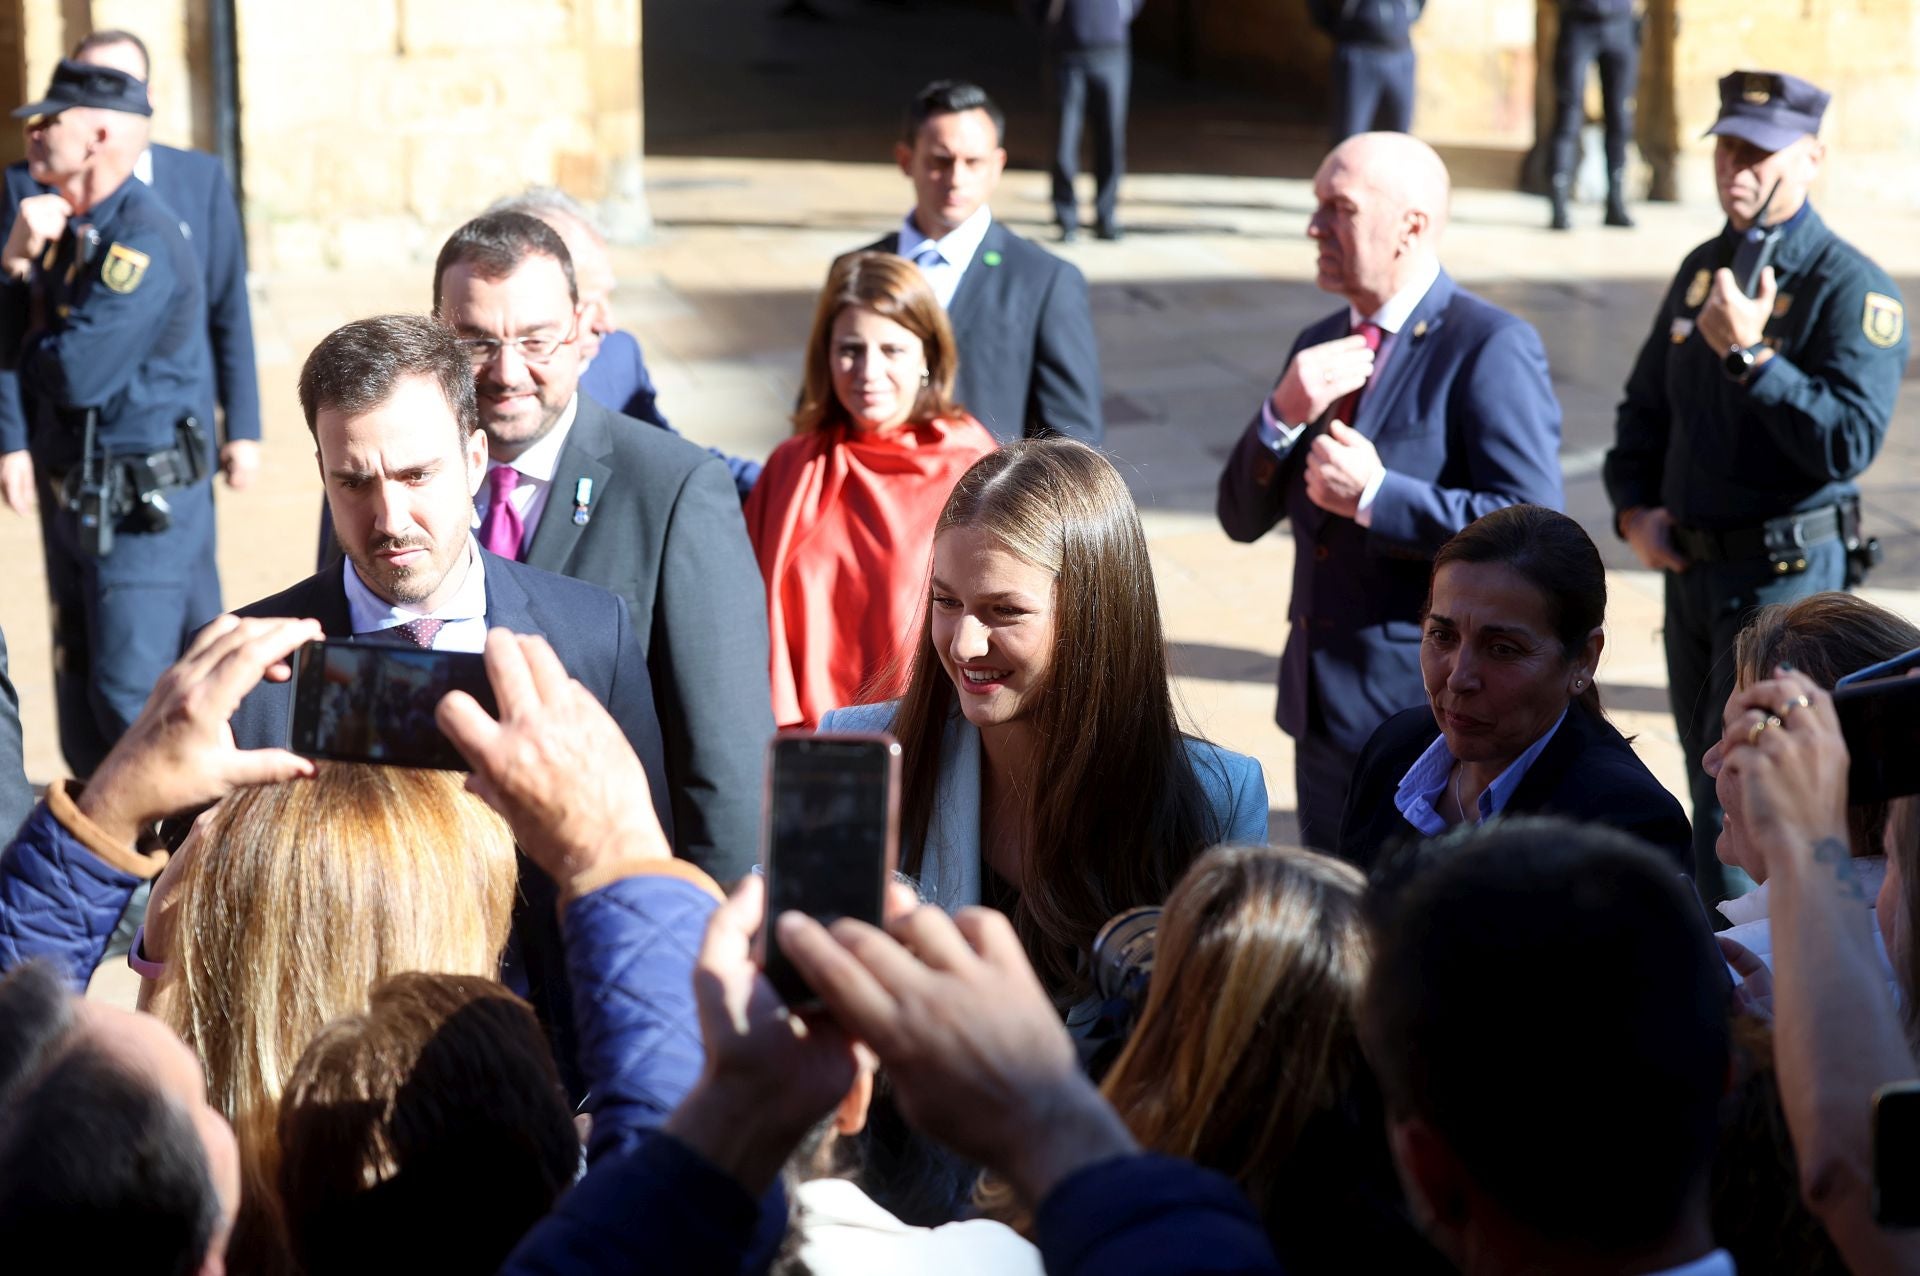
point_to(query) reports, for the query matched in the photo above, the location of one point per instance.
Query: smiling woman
(843, 514)
(1512, 635)
(1044, 771)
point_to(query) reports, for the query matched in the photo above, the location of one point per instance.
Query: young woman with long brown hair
(1044, 770)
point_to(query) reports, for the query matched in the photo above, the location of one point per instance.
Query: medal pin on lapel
(991, 257)
(582, 496)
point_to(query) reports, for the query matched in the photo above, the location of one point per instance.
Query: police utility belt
(1783, 542)
(103, 490)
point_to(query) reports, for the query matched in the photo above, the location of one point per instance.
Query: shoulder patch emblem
(1697, 290)
(1883, 320)
(124, 268)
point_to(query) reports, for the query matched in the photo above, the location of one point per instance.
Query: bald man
(1399, 419)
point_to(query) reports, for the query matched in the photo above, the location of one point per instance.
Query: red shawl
(842, 521)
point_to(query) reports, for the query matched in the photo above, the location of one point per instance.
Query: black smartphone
(1883, 737)
(371, 702)
(1896, 1155)
(830, 836)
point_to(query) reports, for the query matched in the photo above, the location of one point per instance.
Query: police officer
(1763, 391)
(102, 316)
(1372, 63)
(1607, 32)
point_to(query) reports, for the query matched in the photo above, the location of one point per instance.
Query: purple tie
(501, 530)
(420, 631)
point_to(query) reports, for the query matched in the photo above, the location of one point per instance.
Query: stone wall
(369, 128)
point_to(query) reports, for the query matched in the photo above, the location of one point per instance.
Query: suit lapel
(1538, 786)
(558, 531)
(329, 599)
(507, 604)
(967, 298)
(1410, 346)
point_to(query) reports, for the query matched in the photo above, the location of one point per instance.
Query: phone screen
(830, 835)
(370, 702)
(1879, 724)
(1896, 1155)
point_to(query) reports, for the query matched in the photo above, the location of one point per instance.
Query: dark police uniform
(1603, 31)
(1372, 62)
(112, 324)
(1758, 473)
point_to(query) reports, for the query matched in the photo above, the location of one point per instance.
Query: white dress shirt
(957, 249)
(535, 466)
(1280, 436)
(464, 617)
(843, 1232)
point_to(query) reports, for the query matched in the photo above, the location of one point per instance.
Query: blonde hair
(299, 897)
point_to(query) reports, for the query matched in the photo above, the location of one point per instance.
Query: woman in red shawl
(842, 517)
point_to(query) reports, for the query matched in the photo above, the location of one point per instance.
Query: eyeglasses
(481, 351)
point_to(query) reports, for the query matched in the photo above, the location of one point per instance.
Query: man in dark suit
(390, 402)
(1029, 365)
(1396, 423)
(16, 793)
(578, 489)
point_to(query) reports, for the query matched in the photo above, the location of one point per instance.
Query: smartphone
(830, 836)
(1896, 1154)
(373, 702)
(1898, 667)
(1878, 720)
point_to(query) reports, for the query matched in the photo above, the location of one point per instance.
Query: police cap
(78, 84)
(1769, 109)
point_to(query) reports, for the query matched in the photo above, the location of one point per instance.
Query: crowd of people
(396, 1019)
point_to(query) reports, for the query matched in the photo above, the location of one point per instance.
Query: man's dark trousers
(1614, 43)
(1707, 605)
(1372, 89)
(1103, 75)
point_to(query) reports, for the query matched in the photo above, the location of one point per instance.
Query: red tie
(419, 631)
(1344, 410)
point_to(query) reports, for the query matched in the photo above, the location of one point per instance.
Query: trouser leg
(1112, 73)
(1070, 95)
(1322, 772)
(1572, 50)
(1393, 112)
(1356, 91)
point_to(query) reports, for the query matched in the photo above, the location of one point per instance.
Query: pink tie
(1349, 407)
(501, 530)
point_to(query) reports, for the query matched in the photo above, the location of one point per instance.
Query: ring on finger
(1757, 729)
(1798, 702)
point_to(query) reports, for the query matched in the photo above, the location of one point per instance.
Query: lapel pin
(991, 257)
(582, 496)
(1420, 330)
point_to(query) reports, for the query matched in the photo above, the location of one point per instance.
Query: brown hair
(496, 244)
(356, 368)
(1826, 636)
(297, 898)
(1249, 1029)
(893, 288)
(431, 1130)
(1113, 811)
(1555, 555)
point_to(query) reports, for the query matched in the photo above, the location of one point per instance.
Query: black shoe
(1562, 189)
(1617, 214)
(1068, 234)
(1107, 230)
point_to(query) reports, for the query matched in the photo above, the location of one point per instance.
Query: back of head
(893, 288)
(1546, 999)
(1249, 1027)
(302, 895)
(428, 1133)
(100, 1172)
(1120, 814)
(36, 1015)
(357, 367)
(1827, 636)
(949, 97)
(1552, 553)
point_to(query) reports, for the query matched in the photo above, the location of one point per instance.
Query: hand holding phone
(372, 702)
(831, 836)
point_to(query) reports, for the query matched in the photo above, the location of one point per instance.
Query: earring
(1579, 683)
(926, 377)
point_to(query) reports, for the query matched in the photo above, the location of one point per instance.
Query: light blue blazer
(950, 864)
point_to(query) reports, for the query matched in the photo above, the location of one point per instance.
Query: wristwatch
(1739, 361)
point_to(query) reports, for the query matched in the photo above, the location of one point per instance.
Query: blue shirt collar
(1424, 787)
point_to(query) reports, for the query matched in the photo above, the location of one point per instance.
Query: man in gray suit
(578, 489)
(1029, 365)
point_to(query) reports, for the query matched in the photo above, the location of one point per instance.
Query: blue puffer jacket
(60, 900)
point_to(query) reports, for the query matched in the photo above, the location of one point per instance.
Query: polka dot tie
(419, 631)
